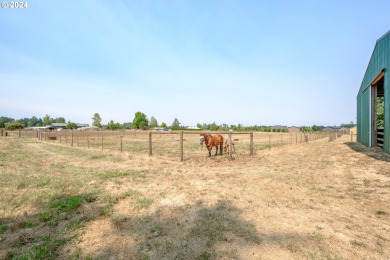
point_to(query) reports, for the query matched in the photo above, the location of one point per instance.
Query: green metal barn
(373, 99)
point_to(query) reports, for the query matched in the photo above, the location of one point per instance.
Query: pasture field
(316, 200)
(167, 144)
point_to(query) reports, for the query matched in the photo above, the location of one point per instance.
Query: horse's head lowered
(201, 138)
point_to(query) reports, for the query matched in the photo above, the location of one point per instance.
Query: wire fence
(172, 144)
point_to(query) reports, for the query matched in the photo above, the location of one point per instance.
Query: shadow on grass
(41, 235)
(186, 232)
(374, 152)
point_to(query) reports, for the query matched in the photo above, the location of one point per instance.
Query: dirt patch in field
(321, 200)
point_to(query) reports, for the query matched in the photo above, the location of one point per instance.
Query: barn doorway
(377, 111)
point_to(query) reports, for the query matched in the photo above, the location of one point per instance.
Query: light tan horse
(229, 146)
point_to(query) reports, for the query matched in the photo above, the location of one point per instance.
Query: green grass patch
(117, 220)
(155, 229)
(3, 228)
(45, 249)
(381, 212)
(66, 204)
(121, 174)
(143, 203)
(77, 223)
(31, 224)
(144, 219)
(107, 211)
(132, 193)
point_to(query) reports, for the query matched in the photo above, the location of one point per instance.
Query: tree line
(141, 121)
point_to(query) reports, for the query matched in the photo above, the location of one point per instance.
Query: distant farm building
(88, 128)
(373, 99)
(293, 129)
(331, 128)
(62, 126)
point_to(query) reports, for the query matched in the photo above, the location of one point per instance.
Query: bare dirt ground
(320, 200)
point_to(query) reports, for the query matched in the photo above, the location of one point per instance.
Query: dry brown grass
(321, 200)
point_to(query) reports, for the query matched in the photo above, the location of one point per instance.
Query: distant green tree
(306, 129)
(241, 127)
(140, 120)
(175, 124)
(4, 120)
(14, 125)
(380, 112)
(113, 126)
(126, 125)
(163, 125)
(199, 125)
(71, 125)
(47, 120)
(153, 122)
(214, 127)
(36, 121)
(97, 120)
(223, 127)
(317, 128)
(59, 120)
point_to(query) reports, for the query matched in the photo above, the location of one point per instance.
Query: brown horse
(212, 140)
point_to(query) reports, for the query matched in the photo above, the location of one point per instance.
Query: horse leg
(209, 150)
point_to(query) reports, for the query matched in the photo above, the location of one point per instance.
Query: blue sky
(237, 62)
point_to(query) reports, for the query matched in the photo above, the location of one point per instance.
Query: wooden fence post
(88, 141)
(102, 142)
(251, 144)
(121, 144)
(19, 134)
(230, 146)
(269, 142)
(71, 144)
(181, 146)
(150, 144)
